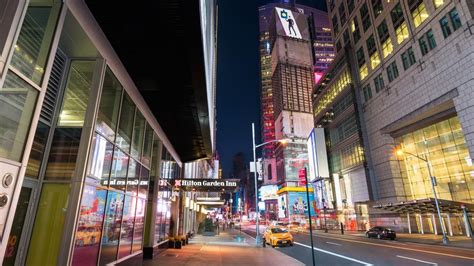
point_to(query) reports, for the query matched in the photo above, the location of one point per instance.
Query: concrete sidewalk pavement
(228, 248)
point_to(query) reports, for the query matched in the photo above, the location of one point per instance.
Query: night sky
(238, 78)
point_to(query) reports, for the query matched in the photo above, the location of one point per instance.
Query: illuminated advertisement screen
(268, 192)
(291, 24)
(296, 158)
(298, 203)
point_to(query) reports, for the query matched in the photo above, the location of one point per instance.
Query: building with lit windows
(413, 71)
(323, 53)
(341, 194)
(88, 145)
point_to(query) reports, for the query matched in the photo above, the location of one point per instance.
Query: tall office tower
(412, 76)
(322, 55)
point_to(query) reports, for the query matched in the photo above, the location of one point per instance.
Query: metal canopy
(428, 205)
(160, 45)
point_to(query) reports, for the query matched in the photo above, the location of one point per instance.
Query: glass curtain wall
(444, 145)
(61, 165)
(112, 213)
(163, 222)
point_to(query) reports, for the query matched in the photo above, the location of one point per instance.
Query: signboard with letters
(200, 184)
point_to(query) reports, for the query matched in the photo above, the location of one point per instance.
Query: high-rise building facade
(323, 53)
(412, 69)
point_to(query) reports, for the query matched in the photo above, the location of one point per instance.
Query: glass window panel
(147, 146)
(9, 9)
(111, 232)
(100, 161)
(76, 95)
(127, 114)
(63, 154)
(89, 226)
(118, 175)
(133, 177)
(49, 223)
(138, 131)
(126, 235)
(107, 118)
(37, 150)
(17, 104)
(139, 224)
(17, 227)
(144, 181)
(34, 41)
(449, 157)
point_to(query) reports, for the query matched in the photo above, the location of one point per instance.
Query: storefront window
(133, 177)
(111, 232)
(17, 104)
(107, 117)
(138, 135)
(118, 175)
(144, 180)
(444, 146)
(34, 42)
(49, 225)
(126, 236)
(76, 95)
(147, 146)
(125, 129)
(89, 227)
(139, 224)
(101, 158)
(37, 150)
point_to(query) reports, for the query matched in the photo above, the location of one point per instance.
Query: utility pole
(309, 215)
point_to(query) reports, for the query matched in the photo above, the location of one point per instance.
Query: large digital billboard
(291, 24)
(298, 203)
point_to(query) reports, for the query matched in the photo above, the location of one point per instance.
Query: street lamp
(283, 141)
(400, 152)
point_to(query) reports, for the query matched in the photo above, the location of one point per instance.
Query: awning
(426, 206)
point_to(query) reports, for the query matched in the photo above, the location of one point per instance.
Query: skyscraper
(320, 58)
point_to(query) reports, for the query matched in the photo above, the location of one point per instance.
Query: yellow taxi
(277, 236)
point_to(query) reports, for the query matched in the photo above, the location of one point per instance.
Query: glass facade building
(82, 152)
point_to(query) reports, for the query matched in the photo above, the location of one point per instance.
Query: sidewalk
(228, 248)
(430, 239)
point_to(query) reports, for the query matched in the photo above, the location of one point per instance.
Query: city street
(331, 249)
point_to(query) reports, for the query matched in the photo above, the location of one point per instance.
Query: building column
(408, 222)
(434, 224)
(149, 240)
(421, 224)
(467, 225)
(450, 228)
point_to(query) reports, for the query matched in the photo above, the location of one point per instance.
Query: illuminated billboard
(269, 192)
(291, 24)
(318, 161)
(298, 203)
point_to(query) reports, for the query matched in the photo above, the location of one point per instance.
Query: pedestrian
(342, 228)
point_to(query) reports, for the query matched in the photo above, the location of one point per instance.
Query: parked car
(381, 232)
(277, 236)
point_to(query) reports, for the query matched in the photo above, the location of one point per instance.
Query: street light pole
(433, 184)
(255, 179)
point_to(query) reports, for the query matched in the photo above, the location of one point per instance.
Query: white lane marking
(402, 248)
(408, 258)
(332, 243)
(335, 254)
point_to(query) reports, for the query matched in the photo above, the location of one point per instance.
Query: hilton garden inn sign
(200, 184)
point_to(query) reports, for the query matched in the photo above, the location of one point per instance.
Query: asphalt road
(331, 249)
